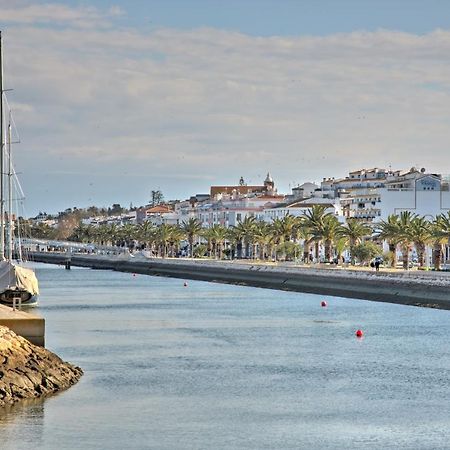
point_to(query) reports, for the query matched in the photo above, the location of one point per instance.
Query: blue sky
(114, 99)
(286, 17)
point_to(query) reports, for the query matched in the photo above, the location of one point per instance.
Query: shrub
(200, 251)
(365, 251)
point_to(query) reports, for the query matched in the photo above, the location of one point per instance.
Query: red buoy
(323, 304)
(359, 333)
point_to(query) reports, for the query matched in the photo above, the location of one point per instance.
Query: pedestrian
(377, 265)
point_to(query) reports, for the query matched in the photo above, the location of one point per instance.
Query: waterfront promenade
(418, 288)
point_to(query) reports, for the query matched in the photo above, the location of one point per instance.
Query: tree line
(285, 238)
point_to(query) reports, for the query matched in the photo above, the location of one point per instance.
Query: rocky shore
(28, 371)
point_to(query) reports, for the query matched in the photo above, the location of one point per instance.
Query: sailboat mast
(10, 221)
(2, 143)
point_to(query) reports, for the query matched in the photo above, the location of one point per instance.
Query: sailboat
(18, 284)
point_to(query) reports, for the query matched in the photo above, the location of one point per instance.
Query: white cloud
(56, 14)
(221, 104)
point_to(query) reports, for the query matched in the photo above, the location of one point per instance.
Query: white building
(423, 194)
(229, 211)
(298, 209)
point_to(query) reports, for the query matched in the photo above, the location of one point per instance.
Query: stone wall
(29, 371)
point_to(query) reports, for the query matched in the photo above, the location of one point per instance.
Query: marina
(236, 233)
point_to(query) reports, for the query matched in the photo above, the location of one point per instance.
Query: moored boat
(18, 284)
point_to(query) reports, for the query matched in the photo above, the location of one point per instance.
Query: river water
(212, 366)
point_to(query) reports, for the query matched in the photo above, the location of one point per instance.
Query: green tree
(419, 232)
(244, 232)
(157, 197)
(263, 237)
(439, 235)
(365, 251)
(329, 232)
(405, 221)
(215, 237)
(192, 229)
(354, 231)
(43, 231)
(145, 233)
(313, 219)
(391, 231)
(163, 236)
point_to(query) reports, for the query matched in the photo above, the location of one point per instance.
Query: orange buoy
(359, 333)
(323, 304)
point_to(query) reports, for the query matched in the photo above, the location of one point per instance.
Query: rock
(29, 371)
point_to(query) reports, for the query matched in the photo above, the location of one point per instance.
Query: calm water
(213, 366)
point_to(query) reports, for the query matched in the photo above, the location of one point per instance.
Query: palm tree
(340, 245)
(162, 237)
(219, 235)
(329, 231)
(106, 234)
(215, 237)
(391, 232)
(145, 233)
(81, 233)
(263, 236)
(418, 232)
(244, 232)
(176, 235)
(113, 233)
(354, 231)
(440, 235)
(192, 229)
(209, 236)
(437, 239)
(444, 224)
(127, 234)
(405, 220)
(304, 232)
(314, 220)
(285, 227)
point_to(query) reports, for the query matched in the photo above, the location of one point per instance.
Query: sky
(114, 99)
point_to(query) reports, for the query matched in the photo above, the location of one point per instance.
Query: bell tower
(268, 183)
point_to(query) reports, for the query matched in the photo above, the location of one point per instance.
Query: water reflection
(22, 424)
(224, 367)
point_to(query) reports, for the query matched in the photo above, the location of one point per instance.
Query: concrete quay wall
(24, 323)
(408, 288)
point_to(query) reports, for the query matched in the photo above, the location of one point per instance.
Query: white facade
(298, 209)
(229, 212)
(424, 194)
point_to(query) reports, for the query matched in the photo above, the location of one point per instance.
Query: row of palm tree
(281, 239)
(409, 230)
(250, 238)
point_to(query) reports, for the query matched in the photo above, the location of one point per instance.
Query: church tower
(269, 184)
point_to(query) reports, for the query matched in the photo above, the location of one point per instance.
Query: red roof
(158, 209)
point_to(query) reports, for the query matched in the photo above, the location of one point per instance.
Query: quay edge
(382, 287)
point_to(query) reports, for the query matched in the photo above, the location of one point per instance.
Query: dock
(24, 323)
